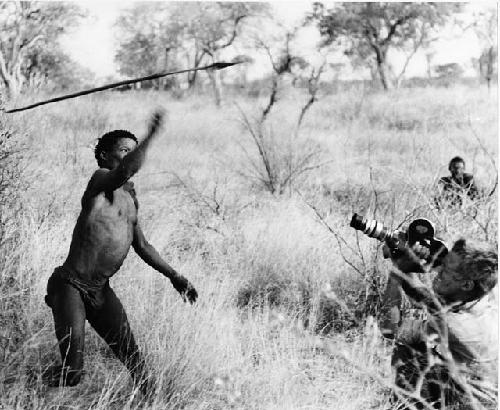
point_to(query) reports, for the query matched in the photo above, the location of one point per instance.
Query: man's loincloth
(93, 294)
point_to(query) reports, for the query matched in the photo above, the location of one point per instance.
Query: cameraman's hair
(479, 264)
(455, 159)
(108, 140)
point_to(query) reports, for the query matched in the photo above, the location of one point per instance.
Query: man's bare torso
(103, 234)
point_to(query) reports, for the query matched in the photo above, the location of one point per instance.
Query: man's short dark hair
(108, 140)
(455, 160)
(479, 264)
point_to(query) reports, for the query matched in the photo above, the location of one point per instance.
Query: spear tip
(223, 64)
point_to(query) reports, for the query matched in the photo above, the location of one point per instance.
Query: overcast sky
(94, 43)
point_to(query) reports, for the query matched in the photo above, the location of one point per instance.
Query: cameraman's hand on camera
(407, 259)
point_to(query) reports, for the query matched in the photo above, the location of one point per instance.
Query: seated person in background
(453, 188)
(450, 358)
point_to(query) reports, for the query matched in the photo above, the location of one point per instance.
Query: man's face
(112, 158)
(448, 283)
(457, 169)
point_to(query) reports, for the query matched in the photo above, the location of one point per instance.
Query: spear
(214, 66)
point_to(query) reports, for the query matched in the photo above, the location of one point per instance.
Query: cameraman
(452, 356)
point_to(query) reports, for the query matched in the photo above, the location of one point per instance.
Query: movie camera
(419, 231)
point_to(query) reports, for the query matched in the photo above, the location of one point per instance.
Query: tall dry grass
(267, 332)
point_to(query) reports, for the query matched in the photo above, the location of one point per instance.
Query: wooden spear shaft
(214, 66)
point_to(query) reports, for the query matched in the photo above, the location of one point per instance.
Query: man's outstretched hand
(185, 288)
(156, 120)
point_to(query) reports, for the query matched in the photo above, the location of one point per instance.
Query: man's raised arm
(104, 180)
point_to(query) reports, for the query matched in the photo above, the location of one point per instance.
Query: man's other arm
(150, 255)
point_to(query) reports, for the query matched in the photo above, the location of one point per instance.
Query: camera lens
(370, 227)
(358, 222)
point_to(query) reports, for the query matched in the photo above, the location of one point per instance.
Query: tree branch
(392, 29)
(416, 46)
(231, 39)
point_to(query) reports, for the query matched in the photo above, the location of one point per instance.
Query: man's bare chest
(114, 207)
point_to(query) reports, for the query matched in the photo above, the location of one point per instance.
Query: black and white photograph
(283, 205)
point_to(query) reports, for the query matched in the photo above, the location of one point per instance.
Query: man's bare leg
(68, 310)
(111, 323)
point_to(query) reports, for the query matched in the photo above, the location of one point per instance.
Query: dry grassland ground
(281, 322)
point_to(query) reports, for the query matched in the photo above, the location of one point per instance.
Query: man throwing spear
(106, 228)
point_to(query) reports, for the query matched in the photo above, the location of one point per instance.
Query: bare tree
(213, 27)
(277, 163)
(160, 34)
(278, 50)
(147, 44)
(369, 30)
(422, 39)
(26, 25)
(312, 88)
(485, 26)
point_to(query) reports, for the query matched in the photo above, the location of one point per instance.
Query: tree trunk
(428, 60)
(489, 67)
(383, 69)
(11, 85)
(243, 75)
(191, 79)
(214, 76)
(192, 75)
(8, 80)
(383, 73)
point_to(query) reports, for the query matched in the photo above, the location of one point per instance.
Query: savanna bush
(13, 291)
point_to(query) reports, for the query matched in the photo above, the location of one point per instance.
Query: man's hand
(156, 121)
(185, 288)
(406, 259)
(150, 255)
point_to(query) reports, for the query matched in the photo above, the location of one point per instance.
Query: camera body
(419, 231)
